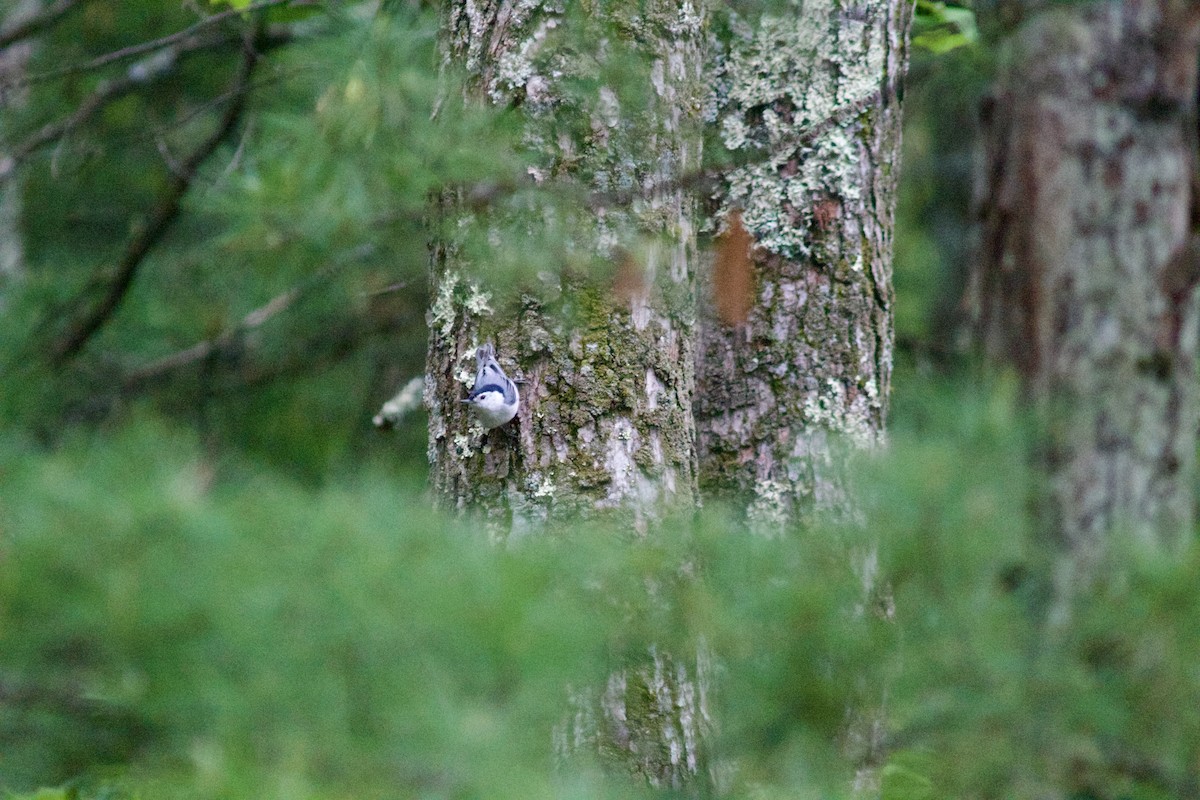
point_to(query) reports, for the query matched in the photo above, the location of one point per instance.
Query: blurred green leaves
(942, 27)
(185, 627)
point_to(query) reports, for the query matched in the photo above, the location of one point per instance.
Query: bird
(494, 398)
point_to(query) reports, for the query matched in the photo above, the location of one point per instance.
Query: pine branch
(37, 22)
(155, 44)
(232, 339)
(161, 217)
(139, 75)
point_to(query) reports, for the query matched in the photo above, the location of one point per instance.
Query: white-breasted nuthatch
(494, 397)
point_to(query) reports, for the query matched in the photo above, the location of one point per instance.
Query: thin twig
(154, 44)
(160, 219)
(232, 337)
(202, 350)
(141, 74)
(36, 22)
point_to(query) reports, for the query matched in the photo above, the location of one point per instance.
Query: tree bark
(795, 371)
(1087, 262)
(14, 56)
(605, 420)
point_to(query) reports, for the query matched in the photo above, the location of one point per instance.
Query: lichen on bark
(653, 718)
(789, 394)
(607, 361)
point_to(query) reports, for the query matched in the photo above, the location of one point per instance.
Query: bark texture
(1087, 265)
(13, 60)
(608, 364)
(605, 422)
(789, 388)
(654, 719)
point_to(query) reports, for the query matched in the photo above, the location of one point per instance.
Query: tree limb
(198, 352)
(36, 22)
(137, 378)
(143, 73)
(161, 216)
(154, 44)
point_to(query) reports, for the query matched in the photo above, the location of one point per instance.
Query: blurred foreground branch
(141, 74)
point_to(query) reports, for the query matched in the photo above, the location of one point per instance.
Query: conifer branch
(37, 22)
(139, 75)
(135, 50)
(160, 219)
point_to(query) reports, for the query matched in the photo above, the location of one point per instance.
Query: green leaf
(904, 778)
(941, 41)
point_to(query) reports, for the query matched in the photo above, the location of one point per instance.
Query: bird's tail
(485, 353)
(487, 368)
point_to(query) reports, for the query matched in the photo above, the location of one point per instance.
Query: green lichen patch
(796, 87)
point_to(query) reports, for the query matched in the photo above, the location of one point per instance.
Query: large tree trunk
(606, 415)
(606, 420)
(1086, 265)
(796, 354)
(796, 347)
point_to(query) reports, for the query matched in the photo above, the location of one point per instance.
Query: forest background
(221, 570)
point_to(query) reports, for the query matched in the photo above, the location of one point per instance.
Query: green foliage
(223, 592)
(299, 254)
(941, 27)
(175, 626)
(933, 215)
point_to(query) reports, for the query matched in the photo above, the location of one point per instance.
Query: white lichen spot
(462, 445)
(478, 301)
(465, 371)
(769, 512)
(442, 313)
(544, 488)
(734, 132)
(830, 410)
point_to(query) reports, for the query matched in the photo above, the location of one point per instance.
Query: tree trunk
(796, 347)
(13, 60)
(1086, 266)
(796, 353)
(605, 420)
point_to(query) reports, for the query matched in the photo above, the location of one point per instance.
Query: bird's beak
(466, 402)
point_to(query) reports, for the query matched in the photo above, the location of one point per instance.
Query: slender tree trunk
(605, 421)
(1087, 265)
(796, 352)
(13, 60)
